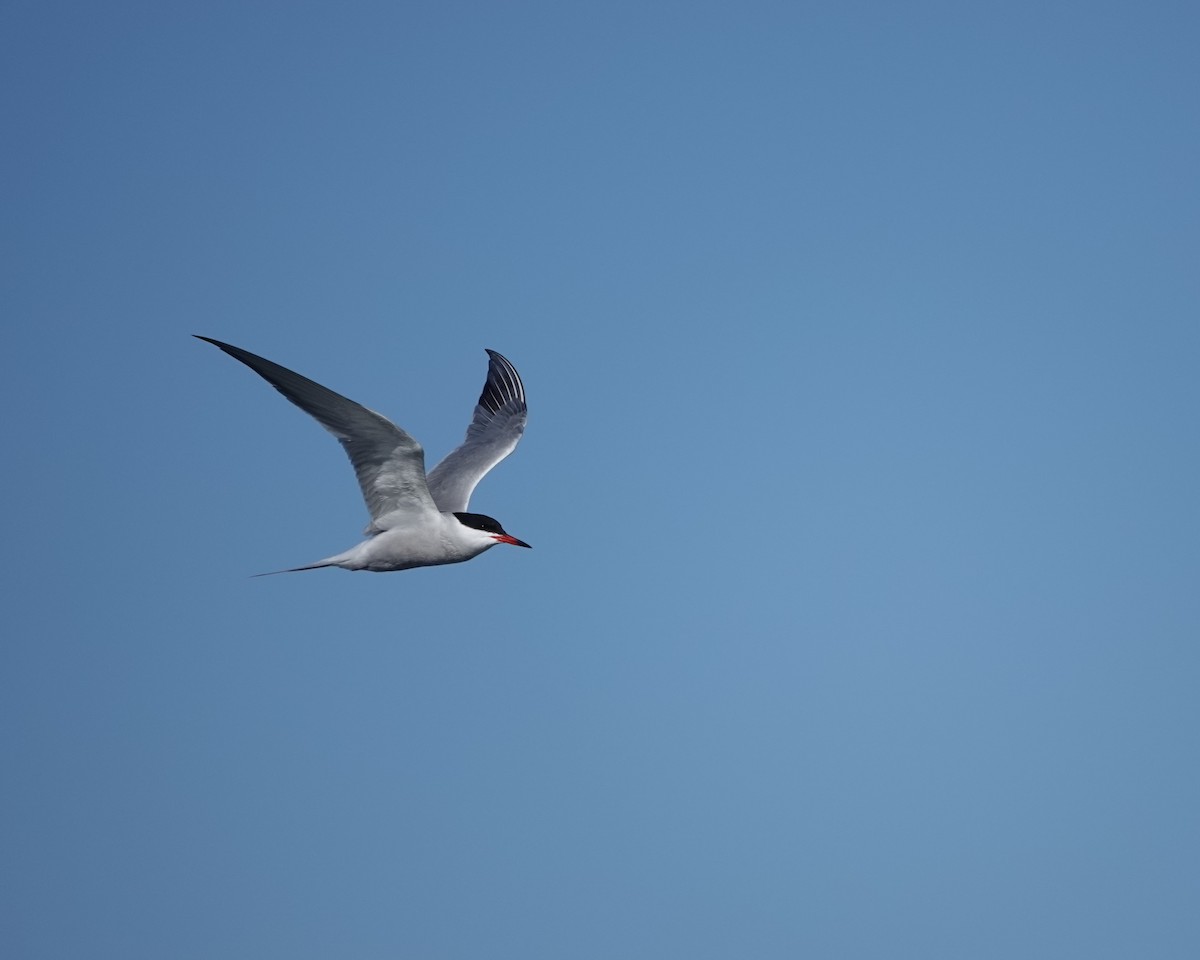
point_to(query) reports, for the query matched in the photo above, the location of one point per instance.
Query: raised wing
(390, 464)
(495, 428)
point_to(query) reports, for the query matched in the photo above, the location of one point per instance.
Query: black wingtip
(503, 384)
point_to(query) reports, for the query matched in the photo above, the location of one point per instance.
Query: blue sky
(861, 347)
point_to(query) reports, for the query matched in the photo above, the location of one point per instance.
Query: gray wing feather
(493, 434)
(389, 463)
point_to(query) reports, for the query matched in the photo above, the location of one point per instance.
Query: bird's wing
(389, 463)
(493, 434)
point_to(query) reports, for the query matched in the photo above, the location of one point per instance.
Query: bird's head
(488, 528)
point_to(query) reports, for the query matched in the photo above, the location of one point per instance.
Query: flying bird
(417, 520)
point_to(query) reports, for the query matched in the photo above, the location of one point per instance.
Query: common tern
(417, 520)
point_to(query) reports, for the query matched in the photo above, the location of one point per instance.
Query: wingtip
(228, 348)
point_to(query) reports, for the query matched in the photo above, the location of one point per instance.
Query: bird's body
(416, 521)
(426, 541)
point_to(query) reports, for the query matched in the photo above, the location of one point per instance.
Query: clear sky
(862, 347)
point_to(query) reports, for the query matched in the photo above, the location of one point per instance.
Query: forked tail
(311, 566)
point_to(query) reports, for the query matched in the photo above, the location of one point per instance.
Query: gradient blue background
(862, 350)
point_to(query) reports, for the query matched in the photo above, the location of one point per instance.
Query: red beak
(505, 538)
